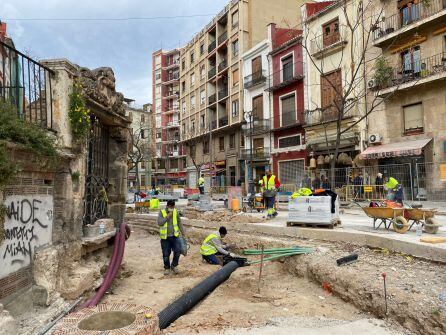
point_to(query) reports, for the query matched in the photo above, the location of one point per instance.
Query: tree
(141, 150)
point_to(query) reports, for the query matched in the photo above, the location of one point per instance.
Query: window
(257, 107)
(158, 60)
(331, 84)
(256, 67)
(183, 128)
(192, 127)
(202, 97)
(410, 12)
(203, 71)
(288, 110)
(287, 68)
(142, 134)
(411, 60)
(413, 118)
(242, 141)
(205, 147)
(192, 57)
(143, 119)
(158, 135)
(143, 164)
(192, 101)
(131, 116)
(235, 48)
(235, 108)
(235, 77)
(184, 107)
(158, 75)
(183, 86)
(143, 180)
(202, 48)
(235, 19)
(183, 64)
(232, 141)
(221, 143)
(331, 33)
(289, 141)
(202, 121)
(192, 80)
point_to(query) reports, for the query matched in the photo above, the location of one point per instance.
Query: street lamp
(248, 118)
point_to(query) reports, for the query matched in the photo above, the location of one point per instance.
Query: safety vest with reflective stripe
(154, 203)
(163, 228)
(271, 184)
(201, 181)
(207, 248)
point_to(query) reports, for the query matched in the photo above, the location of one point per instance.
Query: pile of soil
(220, 215)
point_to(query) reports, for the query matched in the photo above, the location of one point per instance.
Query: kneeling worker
(212, 246)
(170, 229)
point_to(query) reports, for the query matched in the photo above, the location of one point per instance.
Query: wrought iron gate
(96, 200)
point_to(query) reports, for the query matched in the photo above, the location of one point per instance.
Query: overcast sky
(126, 46)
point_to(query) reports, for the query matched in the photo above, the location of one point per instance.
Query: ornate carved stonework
(99, 86)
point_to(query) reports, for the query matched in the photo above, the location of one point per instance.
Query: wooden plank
(433, 240)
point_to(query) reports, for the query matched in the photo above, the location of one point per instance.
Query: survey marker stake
(261, 267)
(384, 275)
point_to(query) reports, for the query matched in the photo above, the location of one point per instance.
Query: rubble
(220, 215)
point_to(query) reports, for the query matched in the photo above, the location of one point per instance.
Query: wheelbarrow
(387, 216)
(424, 217)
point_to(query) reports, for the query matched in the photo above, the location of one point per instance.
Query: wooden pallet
(314, 225)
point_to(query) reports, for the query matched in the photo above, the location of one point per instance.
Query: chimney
(2, 30)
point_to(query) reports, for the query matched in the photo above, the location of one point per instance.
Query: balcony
(223, 93)
(223, 65)
(172, 95)
(212, 99)
(400, 23)
(288, 75)
(212, 72)
(171, 79)
(258, 127)
(255, 79)
(173, 124)
(173, 138)
(258, 154)
(172, 110)
(324, 45)
(172, 65)
(212, 46)
(223, 122)
(329, 114)
(223, 37)
(413, 74)
(214, 125)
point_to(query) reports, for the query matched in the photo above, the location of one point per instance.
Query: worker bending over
(213, 246)
(395, 190)
(270, 185)
(171, 228)
(201, 184)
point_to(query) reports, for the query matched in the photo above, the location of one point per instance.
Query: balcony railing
(172, 64)
(329, 114)
(255, 79)
(322, 43)
(259, 126)
(173, 77)
(173, 124)
(257, 154)
(212, 46)
(288, 75)
(223, 93)
(399, 20)
(172, 94)
(223, 37)
(212, 72)
(288, 119)
(212, 99)
(415, 71)
(223, 121)
(214, 125)
(223, 65)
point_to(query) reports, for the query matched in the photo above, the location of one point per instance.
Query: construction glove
(232, 255)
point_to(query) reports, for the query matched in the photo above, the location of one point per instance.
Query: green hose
(271, 258)
(275, 251)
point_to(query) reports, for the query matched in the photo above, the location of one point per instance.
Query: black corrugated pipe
(188, 300)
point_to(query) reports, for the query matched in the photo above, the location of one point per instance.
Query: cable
(109, 19)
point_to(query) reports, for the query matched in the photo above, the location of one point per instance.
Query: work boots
(175, 271)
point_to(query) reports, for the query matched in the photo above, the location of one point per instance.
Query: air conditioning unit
(374, 139)
(372, 84)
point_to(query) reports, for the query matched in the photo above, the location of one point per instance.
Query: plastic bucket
(235, 205)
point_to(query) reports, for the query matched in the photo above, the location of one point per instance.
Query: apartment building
(333, 66)
(169, 162)
(286, 88)
(211, 87)
(257, 115)
(140, 171)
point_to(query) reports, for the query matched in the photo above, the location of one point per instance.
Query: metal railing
(175, 76)
(323, 42)
(259, 126)
(288, 119)
(223, 121)
(329, 114)
(212, 46)
(255, 79)
(214, 125)
(212, 72)
(223, 65)
(416, 70)
(223, 93)
(285, 76)
(223, 37)
(27, 85)
(418, 12)
(212, 99)
(172, 94)
(173, 124)
(257, 154)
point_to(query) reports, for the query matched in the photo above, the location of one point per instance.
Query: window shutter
(413, 117)
(288, 110)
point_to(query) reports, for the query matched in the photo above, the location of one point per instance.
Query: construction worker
(170, 230)
(201, 184)
(270, 184)
(261, 186)
(213, 246)
(395, 190)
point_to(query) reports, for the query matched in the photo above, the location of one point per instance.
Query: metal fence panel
(431, 181)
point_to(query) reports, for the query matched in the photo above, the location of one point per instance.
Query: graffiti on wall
(28, 224)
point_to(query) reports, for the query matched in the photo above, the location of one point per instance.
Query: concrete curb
(426, 251)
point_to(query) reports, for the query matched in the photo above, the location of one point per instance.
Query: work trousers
(270, 202)
(212, 259)
(201, 188)
(169, 245)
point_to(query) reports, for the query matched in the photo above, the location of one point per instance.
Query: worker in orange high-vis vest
(271, 185)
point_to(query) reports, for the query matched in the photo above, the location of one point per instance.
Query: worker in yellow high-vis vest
(270, 186)
(171, 229)
(213, 246)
